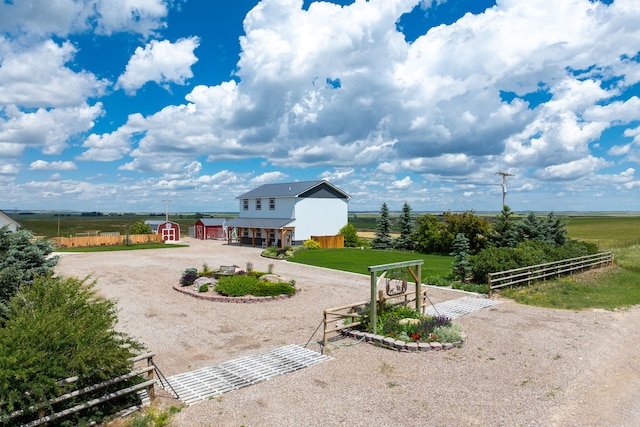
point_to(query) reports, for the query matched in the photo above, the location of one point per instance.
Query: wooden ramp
(204, 383)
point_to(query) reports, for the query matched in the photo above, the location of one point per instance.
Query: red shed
(169, 230)
(210, 228)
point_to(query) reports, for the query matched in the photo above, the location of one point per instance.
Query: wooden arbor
(414, 268)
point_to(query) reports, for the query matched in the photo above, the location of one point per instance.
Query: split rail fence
(527, 275)
(148, 386)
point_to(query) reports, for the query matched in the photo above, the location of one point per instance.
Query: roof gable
(7, 220)
(319, 188)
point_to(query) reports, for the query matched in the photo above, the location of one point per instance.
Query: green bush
(350, 235)
(203, 288)
(235, 286)
(311, 244)
(55, 329)
(242, 285)
(265, 289)
(530, 252)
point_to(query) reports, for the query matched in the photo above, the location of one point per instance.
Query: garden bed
(400, 345)
(216, 297)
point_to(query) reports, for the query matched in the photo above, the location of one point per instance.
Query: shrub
(189, 276)
(350, 235)
(203, 288)
(311, 244)
(266, 289)
(492, 260)
(80, 340)
(449, 333)
(238, 286)
(235, 286)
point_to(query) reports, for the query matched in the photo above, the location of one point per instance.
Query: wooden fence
(146, 371)
(330, 242)
(526, 275)
(84, 241)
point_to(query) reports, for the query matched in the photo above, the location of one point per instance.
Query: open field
(608, 231)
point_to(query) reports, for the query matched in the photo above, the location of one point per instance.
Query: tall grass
(610, 288)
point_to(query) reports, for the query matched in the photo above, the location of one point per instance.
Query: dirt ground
(520, 365)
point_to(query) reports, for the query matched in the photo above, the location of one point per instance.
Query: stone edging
(238, 300)
(400, 345)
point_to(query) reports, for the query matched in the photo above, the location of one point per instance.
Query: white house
(289, 213)
(8, 221)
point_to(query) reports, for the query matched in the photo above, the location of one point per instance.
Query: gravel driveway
(520, 366)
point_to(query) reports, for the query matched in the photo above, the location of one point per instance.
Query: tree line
(477, 245)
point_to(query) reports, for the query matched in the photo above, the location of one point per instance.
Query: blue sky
(118, 105)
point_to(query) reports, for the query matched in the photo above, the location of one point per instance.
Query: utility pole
(166, 210)
(504, 185)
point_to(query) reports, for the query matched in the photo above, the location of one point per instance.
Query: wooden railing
(147, 371)
(338, 318)
(527, 275)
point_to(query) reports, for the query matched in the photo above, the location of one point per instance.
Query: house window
(258, 204)
(245, 233)
(272, 204)
(259, 234)
(245, 204)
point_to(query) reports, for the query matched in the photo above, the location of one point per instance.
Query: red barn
(170, 231)
(210, 228)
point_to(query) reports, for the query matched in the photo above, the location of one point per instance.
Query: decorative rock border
(399, 345)
(221, 298)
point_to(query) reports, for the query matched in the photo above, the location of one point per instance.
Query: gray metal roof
(273, 223)
(288, 189)
(212, 221)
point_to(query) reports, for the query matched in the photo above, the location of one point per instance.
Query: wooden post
(325, 339)
(150, 376)
(489, 282)
(418, 288)
(373, 305)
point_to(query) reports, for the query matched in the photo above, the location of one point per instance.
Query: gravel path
(520, 366)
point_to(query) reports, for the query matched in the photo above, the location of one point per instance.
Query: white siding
(320, 217)
(284, 209)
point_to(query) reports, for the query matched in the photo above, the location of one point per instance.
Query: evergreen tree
(461, 266)
(504, 232)
(404, 242)
(22, 258)
(383, 240)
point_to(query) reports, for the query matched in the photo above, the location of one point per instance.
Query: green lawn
(357, 260)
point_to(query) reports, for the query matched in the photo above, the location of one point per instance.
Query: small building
(289, 213)
(9, 222)
(210, 228)
(170, 231)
